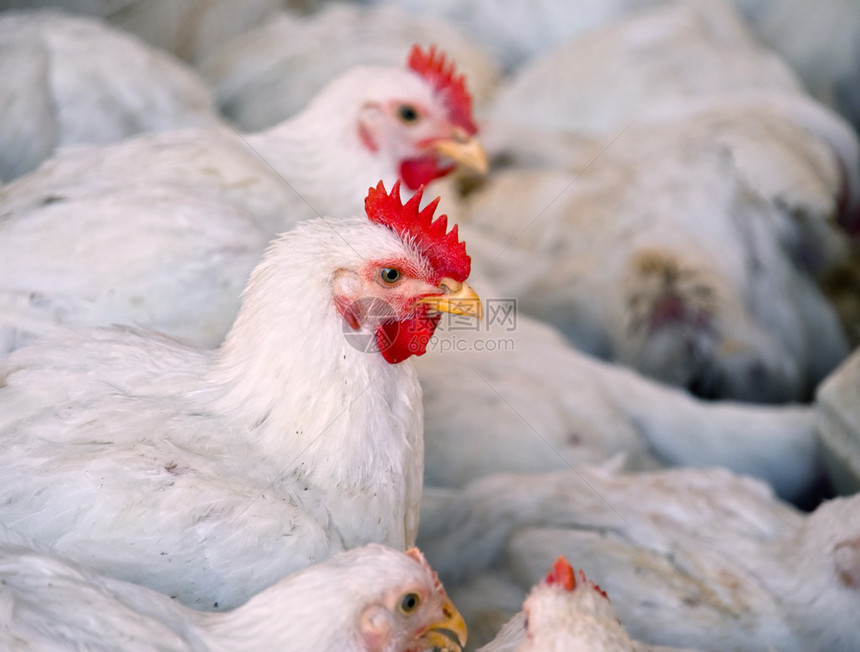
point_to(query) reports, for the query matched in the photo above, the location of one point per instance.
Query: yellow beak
(448, 634)
(465, 150)
(458, 299)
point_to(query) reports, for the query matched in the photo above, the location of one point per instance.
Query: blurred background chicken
(820, 43)
(663, 256)
(838, 415)
(369, 598)
(643, 65)
(71, 80)
(189, 30)
(566, 611)
(534, 403)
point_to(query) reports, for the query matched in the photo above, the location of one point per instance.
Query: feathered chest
(316, 398)
(355, 446)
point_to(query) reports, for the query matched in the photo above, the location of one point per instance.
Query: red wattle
(398, 340)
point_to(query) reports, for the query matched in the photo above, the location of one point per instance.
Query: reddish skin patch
(348, 311)
(667, 310)
(440, 74)
(396, 339)
(367, 138)
(848, 563)
(403, 264)
(671, 309)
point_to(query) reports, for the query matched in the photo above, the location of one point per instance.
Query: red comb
(563, 575)
(431, 65)
(418, 556)
(443, 249)
(594, 586)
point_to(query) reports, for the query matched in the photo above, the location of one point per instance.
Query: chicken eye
(407, 113)
(409, 603)
(390, 275)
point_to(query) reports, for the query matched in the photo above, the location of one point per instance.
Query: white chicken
(838, 409)
(208, 475)
(675, 253)
(162, 230)
(71, 80)
(269, 73)
(640, 66)
(510, 394)
(517, 30)
(566, 613)
(691, 557)
(820, 41)
(368, 598)
(188, 29)
(666, 63)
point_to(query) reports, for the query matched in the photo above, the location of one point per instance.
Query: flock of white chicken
(246, 366)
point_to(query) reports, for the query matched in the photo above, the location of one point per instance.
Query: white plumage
(516, 397)
(187, 29)
(72, 80)
(838, 411)
(637, 67)
(684, 250)
(819, 41)
(354, 602)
